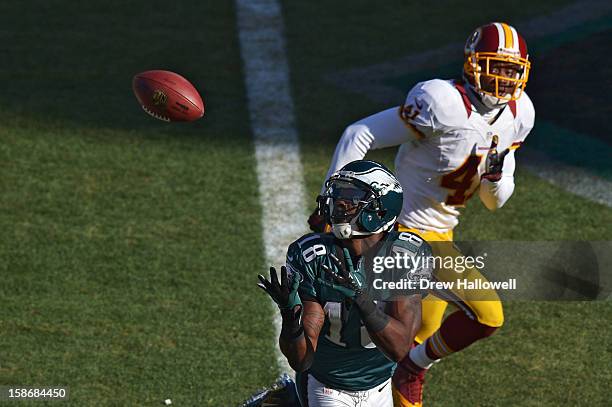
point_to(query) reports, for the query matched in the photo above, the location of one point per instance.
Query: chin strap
(485, 104)
(491, 102)
(342, 230)
(347, 230)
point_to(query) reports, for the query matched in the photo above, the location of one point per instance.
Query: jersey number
(314, 251)
(461, 180)
(336, 314)
(408, 113)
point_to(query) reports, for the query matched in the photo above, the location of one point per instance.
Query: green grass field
(129, 248)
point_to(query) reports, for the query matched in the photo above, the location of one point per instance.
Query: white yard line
(279, 169)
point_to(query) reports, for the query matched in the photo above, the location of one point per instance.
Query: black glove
(285, 294)
(495, 162)
(346, 280)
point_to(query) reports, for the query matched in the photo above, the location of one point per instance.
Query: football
(168, 96)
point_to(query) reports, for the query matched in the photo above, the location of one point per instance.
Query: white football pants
(320, 395)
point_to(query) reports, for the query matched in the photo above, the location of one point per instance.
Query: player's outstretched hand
(285, 294)
(348, 281)
(495, 162)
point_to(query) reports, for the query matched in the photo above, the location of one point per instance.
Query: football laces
(156, 115)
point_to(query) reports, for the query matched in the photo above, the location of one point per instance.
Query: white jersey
(443, 142)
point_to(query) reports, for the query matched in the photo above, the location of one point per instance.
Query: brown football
(168, 96)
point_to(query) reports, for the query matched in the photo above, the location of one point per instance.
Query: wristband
(292, 328)
(293, 336)
(372, 317)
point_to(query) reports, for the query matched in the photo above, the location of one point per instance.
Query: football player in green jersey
(343, 344)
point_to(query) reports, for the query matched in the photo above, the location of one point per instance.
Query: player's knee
(492, 317)
(426, 331)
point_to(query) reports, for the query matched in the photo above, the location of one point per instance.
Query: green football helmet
(362, 198)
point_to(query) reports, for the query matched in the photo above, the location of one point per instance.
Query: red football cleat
(408, 381)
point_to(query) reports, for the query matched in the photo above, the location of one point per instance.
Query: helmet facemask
(496, 63)
(343, 203)
(480, 66)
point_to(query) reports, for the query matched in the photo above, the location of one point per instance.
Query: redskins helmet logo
(159, 98)
(472, 40)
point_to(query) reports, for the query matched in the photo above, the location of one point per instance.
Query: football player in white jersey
(457, 138)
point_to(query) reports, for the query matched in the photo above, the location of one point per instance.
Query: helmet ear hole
(369, 221)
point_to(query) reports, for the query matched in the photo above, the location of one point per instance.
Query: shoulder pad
(525, 111)
(306, 240)
(411, 242)
(301, 258)
(308, 247)
(443, 100)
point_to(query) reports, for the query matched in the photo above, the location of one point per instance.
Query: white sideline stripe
(573, 179)
(279, 169)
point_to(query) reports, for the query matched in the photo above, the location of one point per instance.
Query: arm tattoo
(313, 321)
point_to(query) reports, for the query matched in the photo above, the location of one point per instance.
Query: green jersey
(346, 358)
